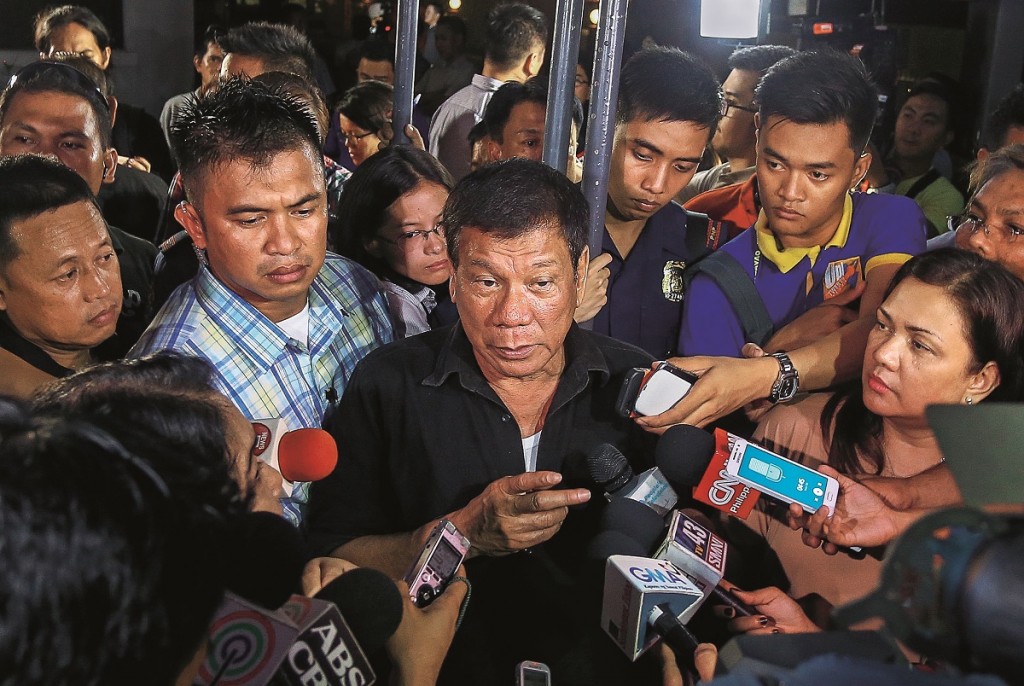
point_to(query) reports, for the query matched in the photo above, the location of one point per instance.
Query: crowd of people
(436, 308)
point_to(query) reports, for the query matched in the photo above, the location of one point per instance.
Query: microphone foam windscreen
(608, 543)
(370, 603)
(608, 467)
(265, 558)
(634, 519)
(683, 453)
(307, 455)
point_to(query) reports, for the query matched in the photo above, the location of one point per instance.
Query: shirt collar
(487, 83)
(581, 353)
(787, 258)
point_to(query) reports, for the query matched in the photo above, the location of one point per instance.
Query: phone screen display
(790, 481)
(534, 677)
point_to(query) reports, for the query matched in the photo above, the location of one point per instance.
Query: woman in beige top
(950, 330)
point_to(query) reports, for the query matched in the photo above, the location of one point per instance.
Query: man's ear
(984, 382)
(186, 215)
(860, 168)
(3, 294)
(112, 101)
(532, 64)
(196, 62)
(105, 59)
(109, 165)
(451, 286)
(493, 150)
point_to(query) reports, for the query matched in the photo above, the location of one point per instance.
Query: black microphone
(611, 471)
(264, 559)
(683, 454)
(350, 617)
(635, 520)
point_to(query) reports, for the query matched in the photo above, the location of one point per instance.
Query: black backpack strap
(741, 292)
(928, 179)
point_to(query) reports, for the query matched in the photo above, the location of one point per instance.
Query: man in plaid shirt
(282, 322)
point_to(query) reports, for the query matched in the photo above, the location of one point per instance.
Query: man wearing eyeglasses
(735, 140)
(993, 223)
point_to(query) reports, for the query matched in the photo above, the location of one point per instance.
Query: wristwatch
(788, 383)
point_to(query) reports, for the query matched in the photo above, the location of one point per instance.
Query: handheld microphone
(610, 469)
(246, 644)
(686, 454)
(300, 455)
(638, 592)
(325, 651)
(626, 528)
(265, 542)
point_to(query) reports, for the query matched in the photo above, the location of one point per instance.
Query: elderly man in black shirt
(488, 423)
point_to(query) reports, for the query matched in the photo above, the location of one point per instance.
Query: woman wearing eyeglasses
(363, 111)
(389, 221)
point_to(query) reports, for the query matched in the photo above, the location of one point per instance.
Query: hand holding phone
(437, 563)
(781, 478)
(648, 392)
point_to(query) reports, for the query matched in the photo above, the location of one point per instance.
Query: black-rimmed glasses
(729, 105)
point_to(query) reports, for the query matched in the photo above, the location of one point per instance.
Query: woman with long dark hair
(388, 221)
(950, 330)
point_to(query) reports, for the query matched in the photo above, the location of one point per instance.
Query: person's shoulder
(796, 426)
(133, 245)
(338, 272)
(619, 354)
(175, 325)
(405, 359)
(883, 206)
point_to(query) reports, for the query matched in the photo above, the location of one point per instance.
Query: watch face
(787, 390)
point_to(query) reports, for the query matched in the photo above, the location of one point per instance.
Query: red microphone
(300, 455)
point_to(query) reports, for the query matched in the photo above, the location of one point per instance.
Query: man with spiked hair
(282, 322)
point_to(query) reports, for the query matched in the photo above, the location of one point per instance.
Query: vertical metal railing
(406, 24)
(611, 31)
(565, 47)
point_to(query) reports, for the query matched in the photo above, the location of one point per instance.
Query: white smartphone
(662, 389)
(782, 478)
(530, 673)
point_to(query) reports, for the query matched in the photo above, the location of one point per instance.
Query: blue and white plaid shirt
(265, 373)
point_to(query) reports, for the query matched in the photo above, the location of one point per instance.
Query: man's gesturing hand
(516, 512)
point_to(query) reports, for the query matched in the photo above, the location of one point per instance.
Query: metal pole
(561, 83)
(406, 24)
(601, 123)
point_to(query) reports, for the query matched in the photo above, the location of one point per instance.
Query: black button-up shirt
(421, 433)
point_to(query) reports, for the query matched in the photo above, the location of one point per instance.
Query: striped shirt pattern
(265, 373)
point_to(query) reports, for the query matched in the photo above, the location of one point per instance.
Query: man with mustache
(282, 322)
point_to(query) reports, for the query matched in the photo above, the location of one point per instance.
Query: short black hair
(212, 34)
(279, 46)
(53, 18)
(943, 89)
(241, 120)
(513, 31)
(122, 600)
(302, 89)
(513, 197)
(456, 24)
(1009, 112)
(758, 58)
(667, 84)
(32, 185)
(377, 50)
(374, 186)
(477, 133)
(368, 104)
(499, 107)
(822, 87)
(57, 80)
